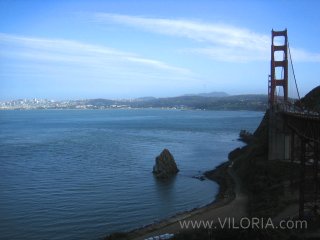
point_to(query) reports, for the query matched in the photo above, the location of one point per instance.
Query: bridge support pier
(280, 139)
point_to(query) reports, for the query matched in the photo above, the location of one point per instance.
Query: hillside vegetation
(311, 101)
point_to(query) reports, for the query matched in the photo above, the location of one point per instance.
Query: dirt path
(235, 208)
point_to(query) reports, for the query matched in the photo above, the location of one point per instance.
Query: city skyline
(131, 49)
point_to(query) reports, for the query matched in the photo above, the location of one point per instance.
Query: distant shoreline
(109, 109)
(253, 102)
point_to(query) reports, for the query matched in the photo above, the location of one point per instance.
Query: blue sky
(126, 49)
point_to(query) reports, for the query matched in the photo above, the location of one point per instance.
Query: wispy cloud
(304, 56)
(78, 53)
(222, 42)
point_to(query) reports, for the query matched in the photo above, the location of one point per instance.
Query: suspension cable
(294, 75)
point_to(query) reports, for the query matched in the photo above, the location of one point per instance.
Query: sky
(76, 49)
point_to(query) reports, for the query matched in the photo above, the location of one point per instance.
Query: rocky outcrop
(165, 166)
(245, 136)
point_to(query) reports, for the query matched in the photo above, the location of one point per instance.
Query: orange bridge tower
(279, 66)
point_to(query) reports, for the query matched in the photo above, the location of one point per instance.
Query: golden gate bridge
(294, 130)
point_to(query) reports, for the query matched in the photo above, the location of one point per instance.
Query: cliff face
(257, 147)
(165, 165)
(262, 179)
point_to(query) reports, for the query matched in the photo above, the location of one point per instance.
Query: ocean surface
(75, 174)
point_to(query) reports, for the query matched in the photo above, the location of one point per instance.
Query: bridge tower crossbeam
(276, 79)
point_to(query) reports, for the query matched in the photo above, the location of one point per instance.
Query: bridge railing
(292, 107)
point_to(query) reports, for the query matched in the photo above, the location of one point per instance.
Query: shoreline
(226, 194)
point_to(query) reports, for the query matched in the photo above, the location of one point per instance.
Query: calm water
(83, 174)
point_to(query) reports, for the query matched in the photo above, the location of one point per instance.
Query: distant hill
(238, 102)
(142, 99)
(98, 102)
(210, 94)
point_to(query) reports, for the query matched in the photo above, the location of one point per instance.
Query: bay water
(82, 174)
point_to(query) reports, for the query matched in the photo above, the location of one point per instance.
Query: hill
(211, 94)
(237, 102)
(311, 101)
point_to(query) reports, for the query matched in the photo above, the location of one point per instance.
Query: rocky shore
(226, 183)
